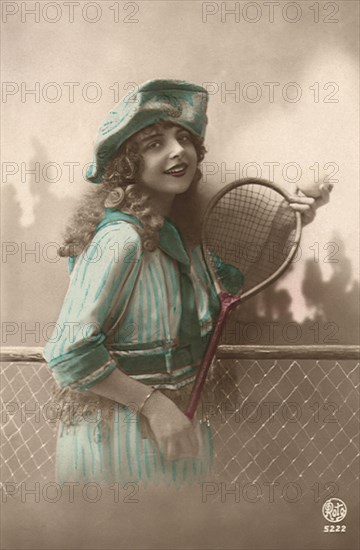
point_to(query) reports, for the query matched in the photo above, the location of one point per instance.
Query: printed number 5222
(334, 528)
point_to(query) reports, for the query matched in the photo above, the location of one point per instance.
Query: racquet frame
(229, 301)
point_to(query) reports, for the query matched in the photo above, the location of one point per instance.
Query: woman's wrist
(145, 400)
(153, 402)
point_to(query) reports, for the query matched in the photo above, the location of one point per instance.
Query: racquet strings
(252, 228)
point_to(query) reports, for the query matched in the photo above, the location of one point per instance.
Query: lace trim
(75, 407)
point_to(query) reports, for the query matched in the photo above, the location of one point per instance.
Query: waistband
(178, 362)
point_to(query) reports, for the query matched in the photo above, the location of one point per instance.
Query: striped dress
(125, 309)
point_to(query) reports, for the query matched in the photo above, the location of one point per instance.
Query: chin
(182, 189)
(183, 186)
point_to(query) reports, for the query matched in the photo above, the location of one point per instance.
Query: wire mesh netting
(273, 421)
(287, 421)
(28, 432)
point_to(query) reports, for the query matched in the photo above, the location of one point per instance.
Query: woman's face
(169, 160)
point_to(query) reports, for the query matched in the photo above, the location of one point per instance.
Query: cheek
(195, 159)
(148, 165)
(191, 152)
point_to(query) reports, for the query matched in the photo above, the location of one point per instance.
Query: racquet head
(249, 236)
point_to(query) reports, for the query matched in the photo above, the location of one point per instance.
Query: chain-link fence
(278, 416)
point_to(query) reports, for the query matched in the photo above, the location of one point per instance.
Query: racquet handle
(228, 302)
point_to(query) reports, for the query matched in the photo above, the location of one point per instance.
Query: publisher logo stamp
(334, 510)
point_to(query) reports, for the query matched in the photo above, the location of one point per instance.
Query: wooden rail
(34, 354)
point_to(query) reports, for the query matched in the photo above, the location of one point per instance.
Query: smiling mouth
(177, 170)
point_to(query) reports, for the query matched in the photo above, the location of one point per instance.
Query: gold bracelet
(146, 399)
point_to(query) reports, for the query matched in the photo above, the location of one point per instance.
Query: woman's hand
(170, 428)
(165, 423)
(307, 206)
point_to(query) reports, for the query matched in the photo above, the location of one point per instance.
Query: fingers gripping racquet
(249, 237)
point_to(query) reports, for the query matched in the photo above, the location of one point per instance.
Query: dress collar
(171, 241)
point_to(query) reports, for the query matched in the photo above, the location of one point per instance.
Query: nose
(176, 148)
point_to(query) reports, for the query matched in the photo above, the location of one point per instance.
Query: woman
(141, 305)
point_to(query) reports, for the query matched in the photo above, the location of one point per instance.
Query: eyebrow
(151, 136)
(160, 134)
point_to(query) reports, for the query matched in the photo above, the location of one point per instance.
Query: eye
(184, 138)
(153, 144)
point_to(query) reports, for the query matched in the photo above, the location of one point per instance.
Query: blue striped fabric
(118, 453)
(123, 305)
(123, 310)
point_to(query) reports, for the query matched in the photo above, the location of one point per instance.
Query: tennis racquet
(249, 237)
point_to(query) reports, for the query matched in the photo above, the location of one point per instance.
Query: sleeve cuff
(92, 379)
(83, 367)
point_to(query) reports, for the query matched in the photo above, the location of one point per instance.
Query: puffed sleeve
(100, 288)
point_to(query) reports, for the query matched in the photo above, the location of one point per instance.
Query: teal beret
(175, 101)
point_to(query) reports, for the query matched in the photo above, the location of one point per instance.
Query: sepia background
(283, 86)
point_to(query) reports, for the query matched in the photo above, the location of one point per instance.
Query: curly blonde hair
(119, 189)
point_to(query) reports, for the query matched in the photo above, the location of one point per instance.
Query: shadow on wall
(268, 318)
(36, 279)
